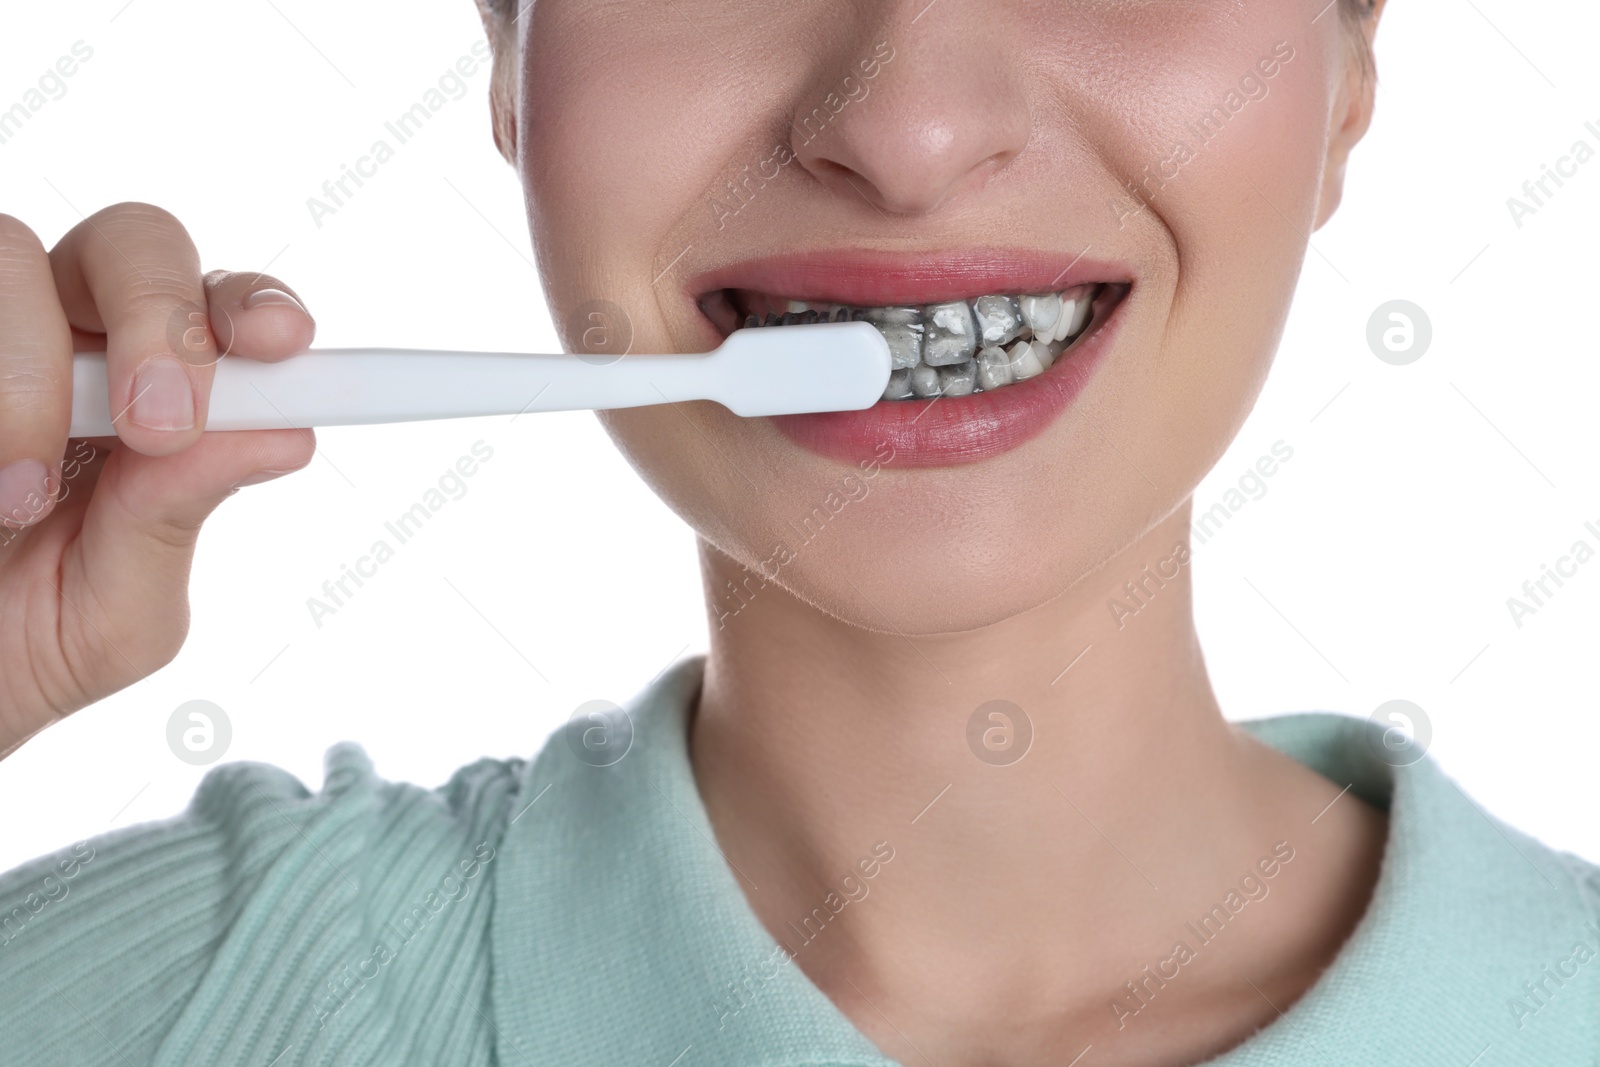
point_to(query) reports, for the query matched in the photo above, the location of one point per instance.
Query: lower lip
(960, 430)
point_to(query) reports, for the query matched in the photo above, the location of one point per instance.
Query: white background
(1377, 566)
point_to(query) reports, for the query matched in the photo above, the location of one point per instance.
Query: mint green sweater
(556, 912)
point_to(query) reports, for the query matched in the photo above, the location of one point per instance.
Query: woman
(951, 786)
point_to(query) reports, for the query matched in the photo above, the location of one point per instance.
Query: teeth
(905, 345)
(994, 368)
(1075, 305)
(952, 335)
(958, 379)
(902, 328)
(1045, 353)
(999, 319)
(925, 380)
(1042, 313)
(961, 346)
(1024, 361)
(899, 386)
(893, 316)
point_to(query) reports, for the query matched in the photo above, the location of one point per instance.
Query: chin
(924, 552)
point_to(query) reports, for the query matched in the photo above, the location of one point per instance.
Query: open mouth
(992, 345)
(950, 349)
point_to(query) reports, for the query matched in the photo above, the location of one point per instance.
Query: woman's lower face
(971, 178)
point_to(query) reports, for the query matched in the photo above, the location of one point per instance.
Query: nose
(930, 112)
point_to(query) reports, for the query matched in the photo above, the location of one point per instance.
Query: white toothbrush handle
(351, 386)
(755, 372)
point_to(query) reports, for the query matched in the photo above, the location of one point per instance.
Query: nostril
(1000, 160)
(827, 168)
(846, 181)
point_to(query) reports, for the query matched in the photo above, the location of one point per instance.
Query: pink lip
(942, 432)
(872, 279)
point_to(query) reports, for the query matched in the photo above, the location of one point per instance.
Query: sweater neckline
(621, 934)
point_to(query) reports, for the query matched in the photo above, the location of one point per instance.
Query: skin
(836, 704)
(836, 701)
(95, 559)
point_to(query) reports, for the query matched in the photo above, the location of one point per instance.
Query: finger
(80, 471)
(257, 316)
(132, 273)
(35, 377)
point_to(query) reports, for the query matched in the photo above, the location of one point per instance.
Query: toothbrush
(839, 366)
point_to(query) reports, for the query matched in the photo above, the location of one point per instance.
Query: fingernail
(24, 491)
(270, 297)
(163, 395)
(261, 476)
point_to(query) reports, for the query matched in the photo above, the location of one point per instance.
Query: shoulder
(265, 912)
(245, 814)
(256, 797)
(1387, 761)
(1507, 927)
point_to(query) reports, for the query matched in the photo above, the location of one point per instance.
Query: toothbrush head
(792, 370)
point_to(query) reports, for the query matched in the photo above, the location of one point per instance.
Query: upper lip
(860, 278)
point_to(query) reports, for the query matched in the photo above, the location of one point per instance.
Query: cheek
(1225, 188)
(597, 109)
(630, 120)
(607, 142)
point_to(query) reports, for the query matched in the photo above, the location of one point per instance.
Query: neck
(1133, 806)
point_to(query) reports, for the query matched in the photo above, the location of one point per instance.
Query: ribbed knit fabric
(557, 912)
